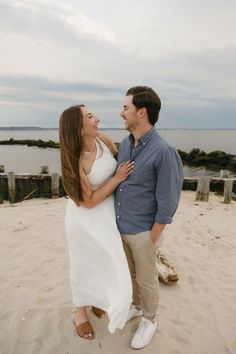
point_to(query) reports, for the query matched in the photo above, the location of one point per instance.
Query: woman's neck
(89, 145)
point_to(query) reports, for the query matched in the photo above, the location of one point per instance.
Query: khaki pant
(141, 255)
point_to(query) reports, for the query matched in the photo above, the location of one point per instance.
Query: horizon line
(103, 128)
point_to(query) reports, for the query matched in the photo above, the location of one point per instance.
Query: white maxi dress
(99, 273)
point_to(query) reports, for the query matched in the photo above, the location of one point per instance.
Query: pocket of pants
(159, 242)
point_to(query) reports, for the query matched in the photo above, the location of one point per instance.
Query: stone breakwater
(215, 160)
(40, 143)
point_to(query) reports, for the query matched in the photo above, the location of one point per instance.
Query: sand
(196, 315)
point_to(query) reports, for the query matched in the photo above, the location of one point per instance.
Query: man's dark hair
(144, 96)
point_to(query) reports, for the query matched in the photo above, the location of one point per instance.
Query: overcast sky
(58, 53)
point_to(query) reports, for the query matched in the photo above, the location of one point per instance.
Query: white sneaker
(144, 333)
(133, 312)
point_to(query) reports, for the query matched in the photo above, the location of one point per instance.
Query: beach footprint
(20, 228)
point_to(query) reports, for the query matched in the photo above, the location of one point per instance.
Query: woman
(99, 274)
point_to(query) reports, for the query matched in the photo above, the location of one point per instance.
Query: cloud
(57, 54)
(48, 19)
(42, 100)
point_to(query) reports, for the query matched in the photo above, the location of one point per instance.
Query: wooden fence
(19, 187)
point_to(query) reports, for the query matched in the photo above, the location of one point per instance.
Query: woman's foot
(82, 324)
(85, 330)
(98, 312)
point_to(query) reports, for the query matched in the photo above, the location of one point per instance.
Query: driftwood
(166, 270)
(29, 195)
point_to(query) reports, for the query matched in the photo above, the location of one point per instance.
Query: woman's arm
(92, 198)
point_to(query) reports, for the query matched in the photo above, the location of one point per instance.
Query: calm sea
(23, 159)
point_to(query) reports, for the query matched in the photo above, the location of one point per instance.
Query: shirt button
(118, 216)
(121, 189)
(118, 203)
(144, 144)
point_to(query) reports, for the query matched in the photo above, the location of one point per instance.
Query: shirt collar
(144, 139)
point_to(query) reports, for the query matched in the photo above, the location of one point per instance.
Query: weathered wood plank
(228, 189)
(11, 187)
(55, 185)
(1, 190)
(224, 173)
(44, 170)
(203, 189)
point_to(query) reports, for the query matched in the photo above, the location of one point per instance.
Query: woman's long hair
(70, 135)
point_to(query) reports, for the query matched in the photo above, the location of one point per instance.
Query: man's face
(130, 114)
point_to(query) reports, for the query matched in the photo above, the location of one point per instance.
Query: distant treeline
(215, 160)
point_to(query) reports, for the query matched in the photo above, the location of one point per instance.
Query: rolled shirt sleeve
(169, 184)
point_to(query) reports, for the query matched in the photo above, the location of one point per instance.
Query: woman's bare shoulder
(109, 143)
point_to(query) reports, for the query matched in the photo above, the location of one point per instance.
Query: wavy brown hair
(70, 135)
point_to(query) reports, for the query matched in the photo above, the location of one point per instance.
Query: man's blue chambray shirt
(151, 193)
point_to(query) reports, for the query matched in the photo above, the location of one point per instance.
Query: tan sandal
(85, 330)
(99, 313)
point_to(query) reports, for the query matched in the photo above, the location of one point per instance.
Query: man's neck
(140, 131)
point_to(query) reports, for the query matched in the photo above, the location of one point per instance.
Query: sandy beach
(197, 315)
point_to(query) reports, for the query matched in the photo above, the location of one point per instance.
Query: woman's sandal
(99, 313)
(85, 330)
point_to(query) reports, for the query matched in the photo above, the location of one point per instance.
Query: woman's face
(90, 123)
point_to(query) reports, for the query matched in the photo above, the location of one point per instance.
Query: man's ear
(143, 112)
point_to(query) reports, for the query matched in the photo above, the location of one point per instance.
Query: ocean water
(24, 159)
(186, 140)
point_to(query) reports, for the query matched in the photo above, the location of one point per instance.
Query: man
(145, 202)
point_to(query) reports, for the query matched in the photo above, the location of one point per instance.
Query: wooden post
(224, 174)
(2, 168)
(11, 187)
(203, 189)
(55, 185)
(1, 190)
(44, 170)
(228, 189)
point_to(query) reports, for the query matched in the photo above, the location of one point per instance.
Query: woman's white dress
(99, 274)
